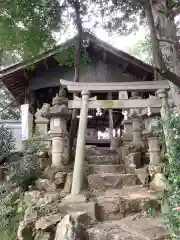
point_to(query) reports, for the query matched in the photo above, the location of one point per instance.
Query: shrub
(9, 214)
(171, 166)
(24, 171)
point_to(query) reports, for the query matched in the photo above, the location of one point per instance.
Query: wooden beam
(144, 86)
(116, 104)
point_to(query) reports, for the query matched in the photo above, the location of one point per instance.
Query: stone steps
(130, 228)
(119, 203)
(104, 181)
(117, 197)
(98, 151)
(103, 159)
(110, 168)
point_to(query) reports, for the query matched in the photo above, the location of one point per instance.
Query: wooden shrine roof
(16, 77)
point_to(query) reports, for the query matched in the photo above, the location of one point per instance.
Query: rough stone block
(88, 207)
(70, 226)
(135, 158)
(32, 197)
(104, 159)
(98, 151)
(153, 169)
(94, 168)
(143, 175)
(48, 198)
(116, 204)
(108, 208)
(47, 221)
(45, 185)
(59, 178)
(43, 236)
(158, 183)
(114, 233)
(135, 203)
(129, 229)
(68, 183)
(110, 180)
(146, 228)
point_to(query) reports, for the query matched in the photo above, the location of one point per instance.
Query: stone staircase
(121, 202)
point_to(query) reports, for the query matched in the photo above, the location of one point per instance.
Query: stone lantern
(135, 116)
(153, 144)
(58, 115)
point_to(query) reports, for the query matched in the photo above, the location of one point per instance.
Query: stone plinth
(58, 147)
(137, 134)
(127, 132)
(136, 127)
(127, 127)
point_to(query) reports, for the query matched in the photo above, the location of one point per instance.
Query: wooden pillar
(32, 99)
(111, 125)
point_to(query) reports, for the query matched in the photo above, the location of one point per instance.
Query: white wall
(15, 127)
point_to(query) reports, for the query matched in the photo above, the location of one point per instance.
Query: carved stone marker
(41, 121)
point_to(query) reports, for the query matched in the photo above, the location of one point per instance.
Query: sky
(121, 42)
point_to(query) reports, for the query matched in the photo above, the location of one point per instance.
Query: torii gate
(86, 102)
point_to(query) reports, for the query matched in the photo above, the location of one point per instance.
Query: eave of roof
(120, 54)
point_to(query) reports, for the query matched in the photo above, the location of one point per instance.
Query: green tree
(125, 17)
(142, 49)
(26, 27)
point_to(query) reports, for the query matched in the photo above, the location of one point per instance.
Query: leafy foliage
(25, 170)
(125, 17)
(6, 141)
(142, 50)
(9, 213)
(26, 26)
(171, 168)
(67, 57)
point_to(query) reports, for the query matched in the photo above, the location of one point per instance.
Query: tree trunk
(160, 64)
(73, 127)
(168, 40)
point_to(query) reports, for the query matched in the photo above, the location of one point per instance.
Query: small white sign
(24, 121)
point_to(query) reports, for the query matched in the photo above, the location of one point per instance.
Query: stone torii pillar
(81, 140)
